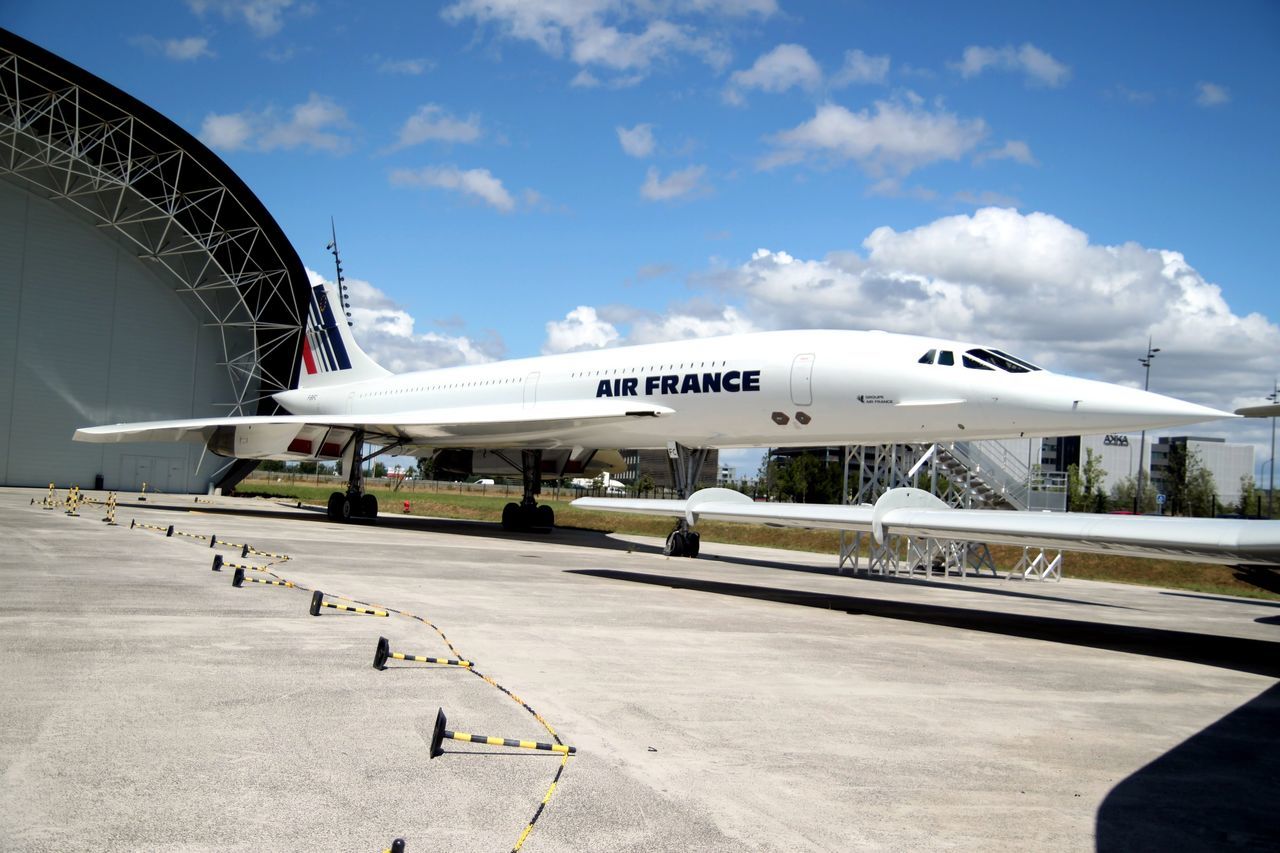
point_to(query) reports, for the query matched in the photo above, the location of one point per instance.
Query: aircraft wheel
(369, 506)
(346, 508)
(675, 544)
(334, 510)
(544, 517)
(692, 542)
(511, 517)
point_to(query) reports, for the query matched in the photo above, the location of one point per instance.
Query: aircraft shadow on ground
(597, 539)
(1258, 657)
(1214, 791)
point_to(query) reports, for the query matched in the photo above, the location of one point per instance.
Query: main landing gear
(685, 464)
(529, 514)
(355, 502)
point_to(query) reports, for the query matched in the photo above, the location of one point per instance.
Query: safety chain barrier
(383, 653)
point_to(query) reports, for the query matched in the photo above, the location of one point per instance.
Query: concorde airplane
(561, 415)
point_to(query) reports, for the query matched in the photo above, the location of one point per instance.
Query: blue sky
(510, 178)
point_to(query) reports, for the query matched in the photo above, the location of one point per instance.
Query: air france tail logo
(732, 381)
(322, 348)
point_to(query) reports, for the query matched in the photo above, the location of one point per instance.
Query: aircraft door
(802, 379)
(531, 389)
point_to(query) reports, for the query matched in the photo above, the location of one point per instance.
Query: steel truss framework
(70, 137)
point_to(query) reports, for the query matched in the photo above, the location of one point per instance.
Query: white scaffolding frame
(155, 193)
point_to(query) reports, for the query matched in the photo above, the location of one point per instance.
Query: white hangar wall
(91, 334)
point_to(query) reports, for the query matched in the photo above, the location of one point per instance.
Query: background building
(141, 280)
(1227, 462)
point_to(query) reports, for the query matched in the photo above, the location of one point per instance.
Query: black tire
(369, 506)
(334, 510)
(511, 517)
(675, 544)
(544, 518)
(345, 509)
(692, 542)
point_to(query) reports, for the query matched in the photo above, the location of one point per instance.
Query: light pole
(1274, 397)
(1142, 446)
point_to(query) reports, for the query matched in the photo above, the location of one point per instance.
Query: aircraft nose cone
(1130, 408)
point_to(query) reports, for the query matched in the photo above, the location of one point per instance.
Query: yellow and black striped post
(440, 734)
(383, 653)
(51, 499)
(317, 601)
(168, 531)
(238, 579)
(246, 550)
(219, 564)
(111, 509)
(143, 495)
(73, 500)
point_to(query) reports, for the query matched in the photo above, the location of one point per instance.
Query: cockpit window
(973, 363)
(1004, 361)
(1028, 365)
(946, 357)
(927, 358)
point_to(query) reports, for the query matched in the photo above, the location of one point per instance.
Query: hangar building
(142, 280)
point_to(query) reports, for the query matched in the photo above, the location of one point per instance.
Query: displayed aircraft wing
(549, 424)
(1267, 411)
(912, 512)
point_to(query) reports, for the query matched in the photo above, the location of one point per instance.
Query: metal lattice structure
(72, 138)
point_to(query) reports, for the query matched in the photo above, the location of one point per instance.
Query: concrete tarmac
(751, 699)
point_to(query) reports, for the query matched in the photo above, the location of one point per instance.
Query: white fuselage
(769, 389)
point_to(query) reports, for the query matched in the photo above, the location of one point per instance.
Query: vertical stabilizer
(330, 355)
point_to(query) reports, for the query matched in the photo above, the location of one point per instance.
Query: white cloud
(615, 36)
(581, 329)
(587, 327)
(1014, 149)
(432, 123)
(1211, 94)
(230, 132)
(179, 50)
(1029, 282)
(636, 141)
(409, 67)
(861, 68)
(314, 124)
(785, 67)
(477, 183)
(263, 17)
(894, 138)
(1039, 67)
(385, 330)
(679, 183)
(688, 323)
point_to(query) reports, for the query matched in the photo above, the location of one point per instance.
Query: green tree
(1249, 495)
(1201, 491)
(806, 479)
(379, 470)
(643, 485)
(271, 465)
(1125, 492)
(1175, 479)
(307, 466)
(1084, 486)
(426, 467)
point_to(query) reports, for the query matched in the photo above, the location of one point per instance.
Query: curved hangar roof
(80, 142)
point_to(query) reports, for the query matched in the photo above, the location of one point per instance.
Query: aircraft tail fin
(330, 354)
